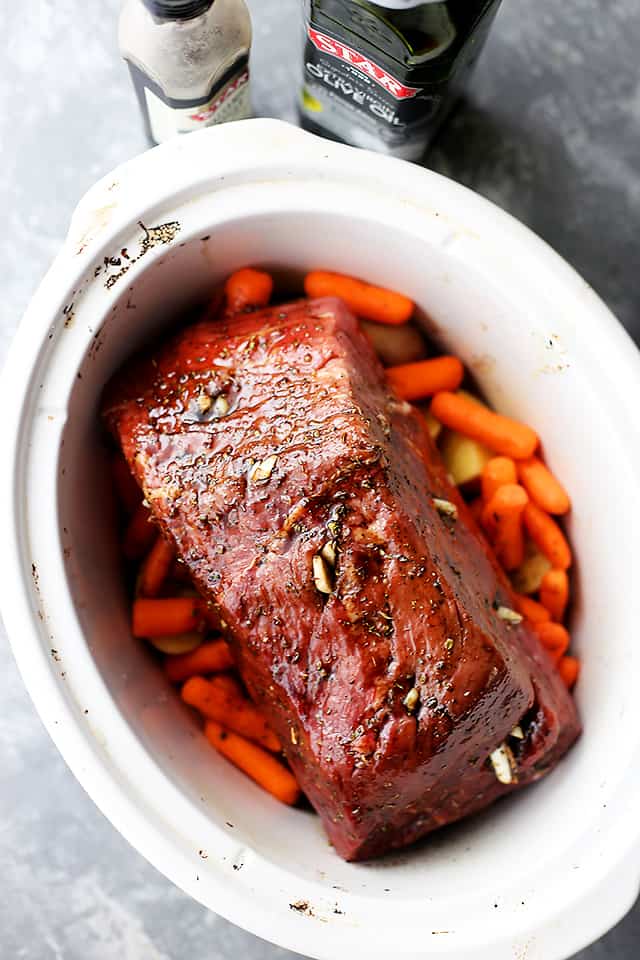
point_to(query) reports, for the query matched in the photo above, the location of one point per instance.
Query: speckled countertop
(550, 132)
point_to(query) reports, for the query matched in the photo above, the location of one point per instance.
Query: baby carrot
(543, 488)
(505, 436)
(128, 491)
(554, 593)
(569, 668)
(227, 684)
(153, 617)
(502, 519)
(416, 381)
(554, 638)
(210, 657)
(155, 568)
(257, 763)
(248, 289)
(496, 473)
(547, 536)
(236, 712)
(530, 609)
(367, 301)
(139, 535)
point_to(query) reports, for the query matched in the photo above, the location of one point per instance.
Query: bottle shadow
(564, 196)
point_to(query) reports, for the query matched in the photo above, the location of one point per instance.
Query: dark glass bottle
(384, 75)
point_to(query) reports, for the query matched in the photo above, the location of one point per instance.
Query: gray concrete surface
(551, 132)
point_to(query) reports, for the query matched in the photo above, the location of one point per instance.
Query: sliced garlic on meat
(445, 508)
(509, 615)
(263, 470)
(221, 406)
(411, 700)
(517, 733)
(399, 406)
(204, 402)
(322, 574)
(329, 553)
(504, 764)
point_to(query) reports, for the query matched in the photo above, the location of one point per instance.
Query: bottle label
(229, 101)
(387, 81)
(358, 100)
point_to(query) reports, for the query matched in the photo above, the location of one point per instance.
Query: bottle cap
(177, 9)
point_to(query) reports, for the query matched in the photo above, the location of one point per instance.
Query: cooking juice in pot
(384, 75)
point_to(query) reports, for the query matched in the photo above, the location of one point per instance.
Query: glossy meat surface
(262, 439)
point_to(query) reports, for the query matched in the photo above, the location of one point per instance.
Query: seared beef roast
(363, 605)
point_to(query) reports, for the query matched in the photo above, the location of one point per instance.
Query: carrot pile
(517, 519)
(199, 661)
(496, 461)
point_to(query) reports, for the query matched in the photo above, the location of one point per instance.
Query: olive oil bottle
(384, 75)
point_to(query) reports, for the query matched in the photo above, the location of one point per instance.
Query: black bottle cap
(177, 9)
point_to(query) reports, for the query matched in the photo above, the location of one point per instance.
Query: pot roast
(368, 617)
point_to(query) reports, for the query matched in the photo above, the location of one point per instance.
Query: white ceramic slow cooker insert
(539, 875)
